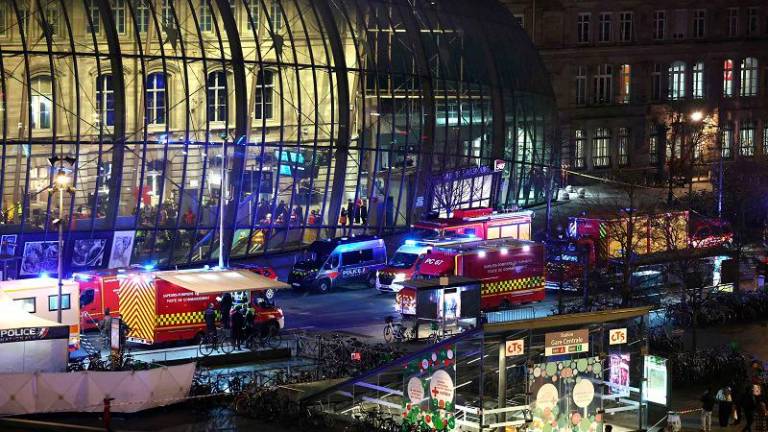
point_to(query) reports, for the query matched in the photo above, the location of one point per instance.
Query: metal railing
(517, 314)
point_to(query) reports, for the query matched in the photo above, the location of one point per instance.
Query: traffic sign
(515, 347)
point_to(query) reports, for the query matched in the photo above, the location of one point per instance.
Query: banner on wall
(39, 258)
(564, 395)
(122, 248)
(88, 252)
(618, 374)
(429, 390)
(655, 379)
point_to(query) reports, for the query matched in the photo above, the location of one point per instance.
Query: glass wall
(266, 117)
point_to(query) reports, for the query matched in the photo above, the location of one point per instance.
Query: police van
(338, 262)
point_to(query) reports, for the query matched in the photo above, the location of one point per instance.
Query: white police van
(338, 262)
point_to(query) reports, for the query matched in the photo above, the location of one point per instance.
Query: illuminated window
(493, 233)
(167, 13)
(217, 97)
(626, 26)
(118, 11)
(601, 147)
(53, 302)
(625, 83)
(733, 22)
(653, 145)
(749, 76)
(699, 23)
(726, 140)
(579, 143)
(603, 84)
(42, 102)
(677, 80)
(509, 231)
(265, 83)
(747, 138)
(105, 100)
(524, 233)
(254, 9)
(605, 27)
(728, 78)
(581, 85)
(28, 304)
(205, 17)
(698, 80)
(623, 144)
(659, 24)
(582, 27)
(276, 18)
(156, 93)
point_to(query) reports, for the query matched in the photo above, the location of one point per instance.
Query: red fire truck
(167, 306)
(483, 223)
(510, 271)
(98, 292)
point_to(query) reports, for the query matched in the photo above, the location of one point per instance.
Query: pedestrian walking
(707, 405)
(724, 406)
(238, 323)
(225, 306)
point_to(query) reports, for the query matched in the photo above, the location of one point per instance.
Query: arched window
(217, 96)
(105, 100)
(265, 82)
(749, 76)
(156, 88)
(41, 100)
(677, 80)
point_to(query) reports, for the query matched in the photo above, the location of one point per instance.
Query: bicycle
(213, 342)
(267, 337)
(397, 331)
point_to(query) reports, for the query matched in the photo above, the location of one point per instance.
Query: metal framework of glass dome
(289, 110)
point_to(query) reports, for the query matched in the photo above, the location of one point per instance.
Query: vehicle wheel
(274, 339)
(227, 345)
(324, 286)
(205, 348)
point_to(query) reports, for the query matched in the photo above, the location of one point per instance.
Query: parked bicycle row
(719, 308)
(113, 362)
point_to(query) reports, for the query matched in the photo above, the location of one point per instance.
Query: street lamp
(62, 182)
(697, 116)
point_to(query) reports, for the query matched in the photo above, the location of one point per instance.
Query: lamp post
(61, 184)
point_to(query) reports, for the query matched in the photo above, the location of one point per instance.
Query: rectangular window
(659, 24)
(3, 18)
(698, 80)
(603, 84)
(28, 304)
(623, 144)
(53, 302)
(579, 143)
(626, 26)
(747, 138)
(254, 9)
(206, 20)
(749, 68)
(52, 19)
(605, 27)
(582, 27)
(677, 81)
(519, 20)
(765, 137)
(680, 24)
(142, 17)
(625, 84)
(726, 141)
(41, 100)
(93, 13)
(581, 85)
(656, 82)
(277, 16)
(733, 22)
(699, 23)
(753, 21)
(167, 13)
(653, 145)
(600, 148)
(728, 78)
(118, 10)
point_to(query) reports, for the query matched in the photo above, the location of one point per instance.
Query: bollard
(108, 413)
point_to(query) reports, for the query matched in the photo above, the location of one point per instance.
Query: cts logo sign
(617, 336)
(515, 347)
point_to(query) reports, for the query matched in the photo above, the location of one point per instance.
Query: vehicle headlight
(399, 277)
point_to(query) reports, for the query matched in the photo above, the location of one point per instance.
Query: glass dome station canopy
(299, 108)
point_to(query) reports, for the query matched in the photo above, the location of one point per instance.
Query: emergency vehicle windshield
(320, 250)
(403, 260)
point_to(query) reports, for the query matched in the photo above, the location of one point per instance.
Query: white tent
(29, 343)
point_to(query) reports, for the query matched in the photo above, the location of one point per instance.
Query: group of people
(743, 402)
(284, 215)
(356, 212)
(238, 318)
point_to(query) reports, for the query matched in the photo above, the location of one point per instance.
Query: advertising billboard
(655, 379)
(618, 374)
(429, 390)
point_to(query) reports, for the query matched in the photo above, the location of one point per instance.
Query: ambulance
(510, 272)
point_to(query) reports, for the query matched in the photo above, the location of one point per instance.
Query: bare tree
(455, 188)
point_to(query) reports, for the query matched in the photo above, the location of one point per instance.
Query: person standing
(748, 406)
(238, 322)
(343, 217)
(358, 203)
(724, 406)
(364, 213)
(350, 212)
(225, 307)
(707, 405)
(210, 319)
